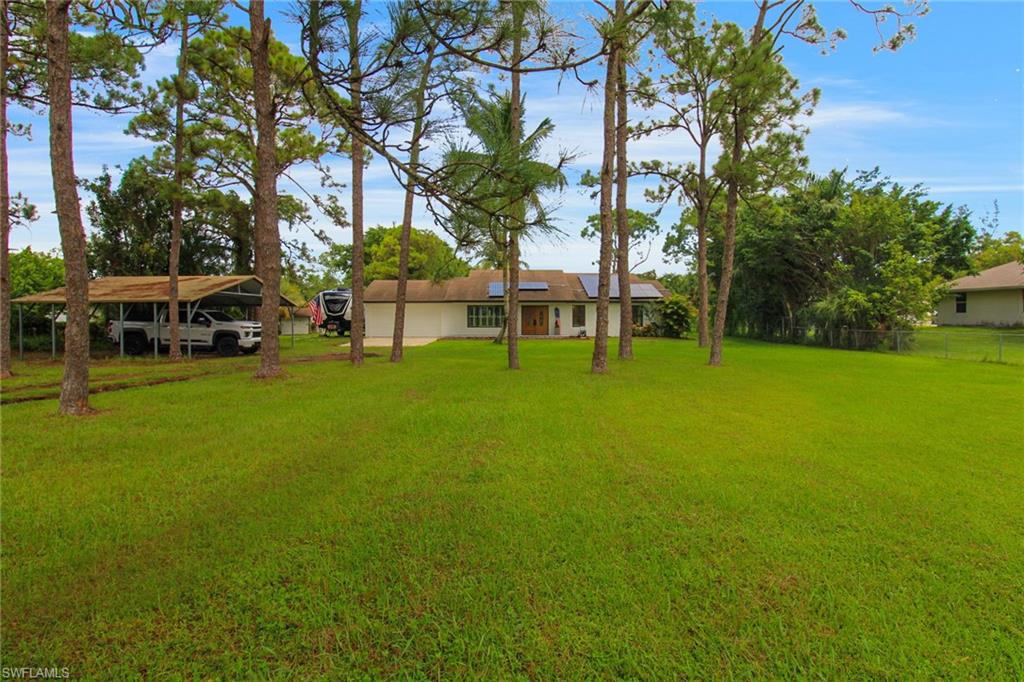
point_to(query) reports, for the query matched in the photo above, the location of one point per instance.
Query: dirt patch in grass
(330, 356)
(100, 388)
(109, 383)
(56, 384)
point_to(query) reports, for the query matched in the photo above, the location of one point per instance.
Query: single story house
(303, 321)
(992, 298)
(552, 303)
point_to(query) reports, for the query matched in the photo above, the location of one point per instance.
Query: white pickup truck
(211, 330)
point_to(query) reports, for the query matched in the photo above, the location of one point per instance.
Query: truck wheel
(134, 344)
(227, 346)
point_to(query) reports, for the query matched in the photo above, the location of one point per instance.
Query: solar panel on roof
(644, 291)
(636, 290)
(496, 289)
(589, 283)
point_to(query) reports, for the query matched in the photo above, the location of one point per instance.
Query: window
(961, 303)
(335, 303)
(486, 316)
(640, 315)
(579, 316)
(201, 317)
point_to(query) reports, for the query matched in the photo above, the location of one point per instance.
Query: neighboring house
(992, 298)
(552, 303)
(303, 322)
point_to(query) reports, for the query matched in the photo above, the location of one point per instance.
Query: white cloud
(835, 82)
(102, 140)
(855, 114)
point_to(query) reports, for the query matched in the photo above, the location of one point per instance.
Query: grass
(797, 512)
(972, 329)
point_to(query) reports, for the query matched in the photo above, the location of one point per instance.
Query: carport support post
(188, 326)
(120, 328)
(291, 315)
(53, 332)
(156, 334)
(21, 332)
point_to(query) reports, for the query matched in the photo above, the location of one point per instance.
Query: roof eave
(964, 290)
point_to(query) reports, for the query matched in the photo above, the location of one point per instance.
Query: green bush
(674, 316)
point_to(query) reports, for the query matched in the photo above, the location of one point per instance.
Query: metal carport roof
(241, 290)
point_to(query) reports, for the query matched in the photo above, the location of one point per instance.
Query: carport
(211, 290)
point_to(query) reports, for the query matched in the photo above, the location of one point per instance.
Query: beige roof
(562, 286)
(217, 290)
(1006, 276)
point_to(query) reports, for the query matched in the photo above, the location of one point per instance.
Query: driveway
(407, 342)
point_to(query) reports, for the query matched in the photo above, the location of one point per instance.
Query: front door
(535, 320)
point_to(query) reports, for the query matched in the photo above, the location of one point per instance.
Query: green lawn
(797, 512)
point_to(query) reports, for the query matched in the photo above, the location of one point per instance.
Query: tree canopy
(991, 249)
(35, 271)
(864, 253)
(131, 225)
(430, 257)
(643, 227)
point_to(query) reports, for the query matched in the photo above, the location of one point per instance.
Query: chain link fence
(988, 345)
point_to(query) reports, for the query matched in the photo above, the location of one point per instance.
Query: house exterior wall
(303, 325)
(999, 308)
(449, 319)
(454, 320)
(421, 319)
(613, 318)
(590, 319)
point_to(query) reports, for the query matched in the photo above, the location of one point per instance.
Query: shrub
(674, 316)
(646, 330)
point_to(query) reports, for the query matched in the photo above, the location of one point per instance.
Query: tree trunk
(622, 218)
(729, 244)
(358, 152)
(5, 209)
(739, 140)
(500, 338)
(174, 259)
(512, 322)
(599, 363)
(398, 335)
(703, 303)
(74, 392)
(242, 260)
(703, 209)
(268, 237)
(516, 133)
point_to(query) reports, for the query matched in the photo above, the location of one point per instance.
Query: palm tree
(507, 179)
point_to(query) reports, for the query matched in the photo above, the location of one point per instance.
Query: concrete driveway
(407, 342)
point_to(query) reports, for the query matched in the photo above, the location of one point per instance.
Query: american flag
(314, 310)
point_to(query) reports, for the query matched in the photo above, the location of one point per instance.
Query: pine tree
(268, 237)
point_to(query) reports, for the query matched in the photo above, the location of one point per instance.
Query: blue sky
(945, 111)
